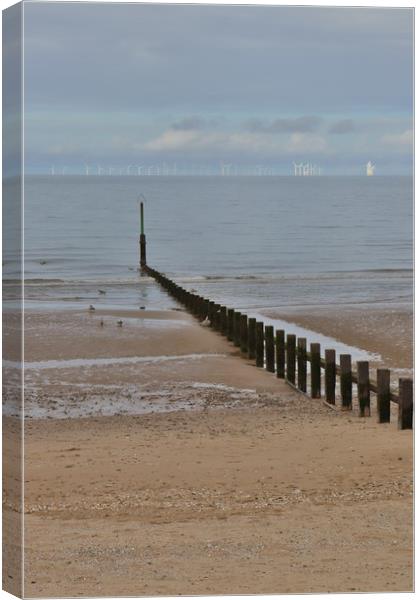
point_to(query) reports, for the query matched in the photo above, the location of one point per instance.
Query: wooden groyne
(287, 357)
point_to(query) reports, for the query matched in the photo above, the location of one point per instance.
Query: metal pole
(142, 238)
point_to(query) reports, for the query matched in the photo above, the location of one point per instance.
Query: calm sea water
(247, 241)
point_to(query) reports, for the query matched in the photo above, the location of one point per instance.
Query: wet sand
(387, 331)
(229, 481)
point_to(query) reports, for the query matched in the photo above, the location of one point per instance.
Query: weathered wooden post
(269, 348)
(346, 383)
(330, 375)
(383, 396)
(244, 334)
(405, 404)
(301, 360)
(217, 308)
(211, 313)
(259, 344)
(230, 328)
(363, 388)
(315, 370)
(251, 337)
(237, 329)
(280, 353)
(291, 358)
(142, 239)
(223, 320)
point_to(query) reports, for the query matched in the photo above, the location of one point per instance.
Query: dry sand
(245, 486)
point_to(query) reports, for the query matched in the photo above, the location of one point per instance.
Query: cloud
(235, 144)
(284, 125)
(343, 126)
(188, 124)
(401, 141)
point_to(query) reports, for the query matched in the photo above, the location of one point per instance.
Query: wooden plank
(315, 370)
(301, 361)
(405, 405)
(383, 396)
(363, 388)
(244, 334)
(330, 376)
(237, 328)
(291, 358)
(346, 384)
(230, 329)
(280, 353)
(259, 344)
(251, 337)
(269, 348)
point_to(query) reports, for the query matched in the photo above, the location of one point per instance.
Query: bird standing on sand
(119, 323)
(206, 322)
(102, 322)
(91, 308)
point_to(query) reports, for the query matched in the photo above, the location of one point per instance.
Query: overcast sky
(116, 84)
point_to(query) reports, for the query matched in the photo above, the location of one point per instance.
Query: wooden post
(383, 396)
(291, 358)
(363, 391)
(217, 308)
(346, 383)
(280, 356)
(315, 370)
(223, 320)
(330, 375)
(259, 344)
(301, 360)
(244, 333)
(237, 329)
(405, 404)
(206, 307)
(211, 313)
(230, 329)
(269, 348)
(251, 337)
(142, 239)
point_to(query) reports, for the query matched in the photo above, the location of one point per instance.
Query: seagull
(91, 308)
(102, 291)
(206, 322)
(119, 323)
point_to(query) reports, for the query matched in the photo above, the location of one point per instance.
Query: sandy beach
(174, 466)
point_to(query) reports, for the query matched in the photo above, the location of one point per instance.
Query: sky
(120, 84)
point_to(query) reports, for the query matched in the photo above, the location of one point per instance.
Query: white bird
(91, 308)
(206, 322)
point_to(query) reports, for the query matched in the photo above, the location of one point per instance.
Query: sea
(252, 243)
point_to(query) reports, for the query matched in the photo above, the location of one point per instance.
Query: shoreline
(387, 331)
(241, 480)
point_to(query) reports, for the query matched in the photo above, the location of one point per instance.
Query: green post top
(141, 219)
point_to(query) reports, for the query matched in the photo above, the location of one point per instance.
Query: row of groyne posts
(288, 356)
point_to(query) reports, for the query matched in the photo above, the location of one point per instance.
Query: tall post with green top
(142, 239)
